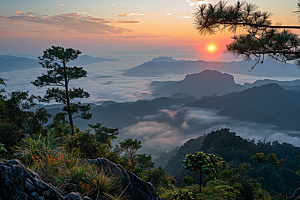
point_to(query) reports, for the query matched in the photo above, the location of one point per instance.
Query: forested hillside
(237, 151)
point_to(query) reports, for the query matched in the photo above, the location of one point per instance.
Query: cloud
(19, 12)
(196, 2)
(2, 16)
(155, 137)
(31, 13)
(168, 13)
(61, 4)
(75, 8)
(209, 120)
(76, 23)
(130, 14)
(170, 113)
(185, 17)
(189, 123)
(185, 125)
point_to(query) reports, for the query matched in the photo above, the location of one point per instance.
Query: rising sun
(211, 48)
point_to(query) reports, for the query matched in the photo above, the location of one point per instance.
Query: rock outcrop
(19, 183)
(136, 188)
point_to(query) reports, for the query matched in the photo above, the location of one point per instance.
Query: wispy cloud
(155, 137)
(168, 13)
(197, 2)
(31, 13)
(75, 22)
(185, 17)
(19, 12)
(130, 14)
(61, 4)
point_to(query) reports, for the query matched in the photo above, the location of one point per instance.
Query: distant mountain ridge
(267, 104)
(212, 82)
(113, 114)
(12, 63)
(207, 82)
(268, 69)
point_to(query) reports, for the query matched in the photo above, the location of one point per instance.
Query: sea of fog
(106, 82)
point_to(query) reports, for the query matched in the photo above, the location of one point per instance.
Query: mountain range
(168, 65)
(121, 115)
(267, 104)
(211, 82)
(12, 63)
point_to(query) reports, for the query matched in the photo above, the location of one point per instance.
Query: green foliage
(250, 188)
(260, 158)
(183, 195)
(104, 135)
(2, 82)
(217, 189)
(35, 151)
(55, 60)
(237, 150)
(202, 164)
(174, 160)
(272, 159)
(159, 179)
(45, 156)
(145, 161)
(186, 181)
(17, 121)
(131, 146)
(214, 189)
(2, 152)
(93, 145)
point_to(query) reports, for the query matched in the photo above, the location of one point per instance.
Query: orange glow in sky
(211, 48)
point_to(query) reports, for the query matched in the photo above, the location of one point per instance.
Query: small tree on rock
(202, 164)
(55, 59)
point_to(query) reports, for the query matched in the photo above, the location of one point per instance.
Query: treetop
(59, 54)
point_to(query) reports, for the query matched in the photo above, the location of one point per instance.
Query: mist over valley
(167, 110)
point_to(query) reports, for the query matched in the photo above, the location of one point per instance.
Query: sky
(97, 26)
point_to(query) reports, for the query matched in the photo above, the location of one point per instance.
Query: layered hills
(212, 82)
(208, 82)
(237, 150)
(12, 63)
(268, 104)
(168, 65)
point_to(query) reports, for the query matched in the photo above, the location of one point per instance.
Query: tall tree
(55, 59)
(261, 39)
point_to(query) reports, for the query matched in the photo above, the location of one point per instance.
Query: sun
(211, 48)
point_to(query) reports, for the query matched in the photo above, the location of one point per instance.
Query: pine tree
(262, 39)
(55, 59)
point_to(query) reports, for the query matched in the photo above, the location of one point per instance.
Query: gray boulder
(19, 183)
